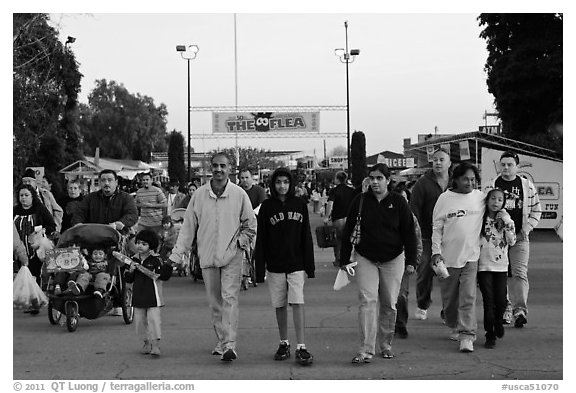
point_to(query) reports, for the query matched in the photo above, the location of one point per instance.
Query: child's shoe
(74, 288)
(229, 355)
(57, 290)
(147, 348)
(283, 351)
(155, 351)
(303, 356)
(98, 293)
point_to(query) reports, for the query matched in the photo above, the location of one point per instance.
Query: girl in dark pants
(497, 234)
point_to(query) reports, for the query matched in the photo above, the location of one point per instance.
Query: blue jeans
(222, 288)
(518, 286)
(378, 288)
(459, 299)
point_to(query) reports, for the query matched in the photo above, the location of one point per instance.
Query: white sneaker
(466, 345)
(421, 314)
(454, 335)
(115, 312)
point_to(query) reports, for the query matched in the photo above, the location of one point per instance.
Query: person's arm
(247, 231)
(187, 233)
(438, 222)
(407, 232)
(308, 246)
(129, 212)
(18, 248)
(417, 201)
(261, 242)
(346, 247)
(57, 211)
(47, 221)
(535, 210)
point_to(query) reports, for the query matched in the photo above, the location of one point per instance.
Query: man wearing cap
(46, 197)
(523, 205)
(174, 197)
(424, 196)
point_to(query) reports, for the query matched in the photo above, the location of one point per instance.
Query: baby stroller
(66, 258)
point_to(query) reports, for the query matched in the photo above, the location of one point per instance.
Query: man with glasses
(221, 219)
(523, 205)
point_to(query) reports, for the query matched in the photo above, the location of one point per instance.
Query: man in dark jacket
(109, 205)
(284, 249)
(424, 196)
(339, 201)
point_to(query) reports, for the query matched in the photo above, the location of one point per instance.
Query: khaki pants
(148, 323)
(101, 280)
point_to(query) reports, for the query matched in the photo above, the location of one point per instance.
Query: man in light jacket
(220, 217)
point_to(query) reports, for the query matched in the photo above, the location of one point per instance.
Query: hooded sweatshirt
(284, 240)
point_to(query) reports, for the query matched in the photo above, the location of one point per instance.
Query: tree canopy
(122, 124)
(176, 165)
(46, 83)
(251, 158)
(524, 73)
(358, 157)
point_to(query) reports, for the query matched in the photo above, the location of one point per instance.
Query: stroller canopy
(89, 236)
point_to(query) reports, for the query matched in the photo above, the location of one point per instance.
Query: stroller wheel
(71, 316)
(54, 315)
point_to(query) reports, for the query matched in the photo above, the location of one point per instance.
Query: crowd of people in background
(389, 230)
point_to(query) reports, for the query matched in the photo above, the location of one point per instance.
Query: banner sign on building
(38, 171)
(546, 175)
(338, 162)
(464, 150)
(232, 122)
(430, 152)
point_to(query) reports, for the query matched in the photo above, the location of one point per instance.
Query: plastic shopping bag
(341, 280)
(26, 291)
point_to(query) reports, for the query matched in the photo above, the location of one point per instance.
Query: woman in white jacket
(456, 226)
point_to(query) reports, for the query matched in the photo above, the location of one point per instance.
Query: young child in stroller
(97, 270)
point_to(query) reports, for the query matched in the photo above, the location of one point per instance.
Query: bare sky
(414, 72)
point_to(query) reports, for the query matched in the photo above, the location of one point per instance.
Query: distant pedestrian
(498, 233)
(387, 245)
(457, 222)
(422, 201)
(147, 298)
(151, 201)
(339, 201)
(70, 202)
(174, 197)
(47, 199)
(523, 205)
(190, 189)
(220, 217)
(284, 253)
(256, 193)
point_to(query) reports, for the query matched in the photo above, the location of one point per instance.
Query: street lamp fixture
(347, 57)
(188, 53)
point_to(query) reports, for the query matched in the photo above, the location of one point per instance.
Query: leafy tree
(122, 124)
(176, 166)
(358, 157)
(524, 73)
(252, 158)
(46, 82)
(338, 151)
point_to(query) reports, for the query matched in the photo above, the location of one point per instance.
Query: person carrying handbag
(381, 232)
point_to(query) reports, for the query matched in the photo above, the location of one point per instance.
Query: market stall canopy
(127, 169)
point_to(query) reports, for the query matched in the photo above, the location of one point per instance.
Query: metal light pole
(191, 51)
(347, 57)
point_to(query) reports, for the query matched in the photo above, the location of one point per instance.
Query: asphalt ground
(106, 348)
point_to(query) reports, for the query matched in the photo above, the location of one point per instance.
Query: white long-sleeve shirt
(456, 226)
(222, 225)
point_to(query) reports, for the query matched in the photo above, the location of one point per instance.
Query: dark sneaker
(283, 351)
(98, 293)
(229, 355)
(490, 342)
(73, 287)
(520, 321)
(499, 331)
(401, 332)
(303, 356)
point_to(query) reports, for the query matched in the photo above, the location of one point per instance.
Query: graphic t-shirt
(514, 199)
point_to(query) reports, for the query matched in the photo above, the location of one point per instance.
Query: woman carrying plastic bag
(27, 293)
